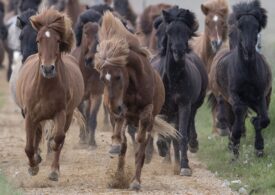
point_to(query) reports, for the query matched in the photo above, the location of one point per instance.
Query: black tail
(212, 101)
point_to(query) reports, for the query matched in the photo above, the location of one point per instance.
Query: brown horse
(93, 85)
(145, 25)
(134, 92)
(208, 43)
(49, 87)
(215, 32)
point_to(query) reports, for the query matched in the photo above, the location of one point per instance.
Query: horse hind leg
(193, 137)
(92, 120)
(132, 131)
(82, 132)
(38, 137)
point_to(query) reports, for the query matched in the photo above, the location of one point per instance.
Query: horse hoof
(37, 158)
(135, 185)
(259, 153)
(223, 132)
(53, 176)
(193, 149)
(186, 172)
(115, 150)
(33, 170)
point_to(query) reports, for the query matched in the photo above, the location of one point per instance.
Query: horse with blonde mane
(134, 92)
(49, 87)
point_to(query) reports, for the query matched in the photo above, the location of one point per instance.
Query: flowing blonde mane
(115, 43)
(59, 22)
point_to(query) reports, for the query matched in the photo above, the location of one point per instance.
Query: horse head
(180, 27)
(250, 19)
(28, 34)
(216, 13)
(54, 36)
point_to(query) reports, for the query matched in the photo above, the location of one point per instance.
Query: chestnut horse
(208, 44)
(49, 87)
(145, 25)
(134, 92)
(242, 77)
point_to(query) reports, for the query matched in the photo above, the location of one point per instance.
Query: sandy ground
(85, 171)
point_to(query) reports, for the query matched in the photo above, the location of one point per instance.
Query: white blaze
(108, 77)
(215, 18)
(48, 34)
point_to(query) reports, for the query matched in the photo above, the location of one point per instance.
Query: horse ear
(166, 16)
(35, 24)
(157, 22)
(20, 23)
(204, 9)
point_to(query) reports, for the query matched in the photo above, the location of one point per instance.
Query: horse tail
(212, 101)
(79, 118)
(163, 128)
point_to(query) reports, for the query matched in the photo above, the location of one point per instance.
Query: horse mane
(89, 15)
(23, 19)
(115, 43)
(253, 8)
(57, 21)
(184, 15)
(101, 8)
(219, 6)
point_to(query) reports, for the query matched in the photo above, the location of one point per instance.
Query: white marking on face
(108, 77)
(216, 18)
(218, 36)
(48, 34)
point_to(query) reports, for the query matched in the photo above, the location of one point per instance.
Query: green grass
(5, 188)
(257, 175)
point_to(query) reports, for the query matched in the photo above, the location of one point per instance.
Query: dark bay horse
(50, 86)
(209, 43)
(243, 77)
(86, 36)
(134, 92)
(124, 8)
(185, 81)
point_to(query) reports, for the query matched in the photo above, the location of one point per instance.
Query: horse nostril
(51, 67)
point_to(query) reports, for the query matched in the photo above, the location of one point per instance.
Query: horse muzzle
(216, 44)
(48, 71)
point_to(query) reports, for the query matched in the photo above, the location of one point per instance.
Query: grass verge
(257, 175)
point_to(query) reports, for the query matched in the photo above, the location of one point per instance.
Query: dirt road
(85, 171)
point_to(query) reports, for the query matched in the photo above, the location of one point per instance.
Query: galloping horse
(50, 86)
(185, 81)
(242, 76)
(208, 44)
(134, 92)
(86, 35)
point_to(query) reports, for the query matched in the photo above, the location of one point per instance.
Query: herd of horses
(150, 95)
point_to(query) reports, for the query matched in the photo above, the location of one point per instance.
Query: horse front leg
(62, 123)
(117, 124)
(95, 101)
(240, 113)
(30, 146)
(145, 125)
(260, 122)
(184, 118)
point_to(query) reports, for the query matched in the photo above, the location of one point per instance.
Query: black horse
(243, 77)
(28, 35)
(185, 80)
